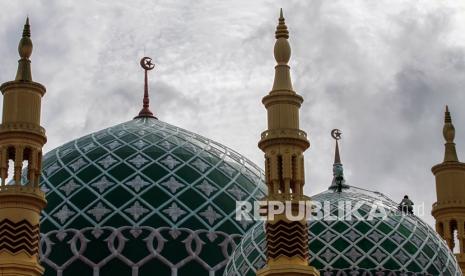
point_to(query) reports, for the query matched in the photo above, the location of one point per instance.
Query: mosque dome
(143, 198)
(396, 245)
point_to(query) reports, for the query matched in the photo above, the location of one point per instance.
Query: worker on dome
(406, 205)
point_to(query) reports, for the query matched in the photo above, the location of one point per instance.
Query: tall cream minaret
(449, 209)
(284, 144)
(21, 141)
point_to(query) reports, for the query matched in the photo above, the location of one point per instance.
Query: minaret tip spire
(282, 55)
(147, 64)
(27, 28)
(447, 117)
(281, 29)
(25, 51)
(448, 131)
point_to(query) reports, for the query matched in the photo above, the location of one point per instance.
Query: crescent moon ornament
(146, 63)
(336, 134)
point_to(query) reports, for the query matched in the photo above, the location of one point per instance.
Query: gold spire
(448, 131)
(281, 29)
(282, 54)
(25, 51)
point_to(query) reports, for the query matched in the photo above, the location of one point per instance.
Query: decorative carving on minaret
(21, 142)
(449, 209)
(284, 144)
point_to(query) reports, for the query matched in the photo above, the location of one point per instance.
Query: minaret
(284, 144)
(21, 141)
(449, 209)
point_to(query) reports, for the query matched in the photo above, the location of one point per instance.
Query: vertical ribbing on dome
(282, 55)
(25, 51)
(448, 131)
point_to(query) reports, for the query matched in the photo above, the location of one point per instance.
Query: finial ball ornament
(25, 47)
(147, 63)
(282, 51)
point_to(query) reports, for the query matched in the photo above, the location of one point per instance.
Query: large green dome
(143, 198)
(396, 245)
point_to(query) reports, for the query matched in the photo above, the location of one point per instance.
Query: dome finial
(448, 132)
(147, 64)
(338, 182)
(25, 51)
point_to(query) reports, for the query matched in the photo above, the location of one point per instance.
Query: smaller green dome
(396, 245)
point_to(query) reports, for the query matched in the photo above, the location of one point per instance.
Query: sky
(381, 71)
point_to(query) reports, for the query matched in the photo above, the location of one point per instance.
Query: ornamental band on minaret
(284, 144)
(449, 209)
(21, 142)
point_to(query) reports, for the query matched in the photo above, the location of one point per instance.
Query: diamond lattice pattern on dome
(395, 246)
(144, 173)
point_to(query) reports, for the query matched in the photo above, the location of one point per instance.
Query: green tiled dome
(142, 198)
(398, 245)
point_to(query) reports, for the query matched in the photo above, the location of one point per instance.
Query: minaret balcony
(445, 207)
(284, 136)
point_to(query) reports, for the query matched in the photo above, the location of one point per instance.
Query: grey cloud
(379, 70)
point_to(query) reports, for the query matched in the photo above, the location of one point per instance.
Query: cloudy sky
(381, 71)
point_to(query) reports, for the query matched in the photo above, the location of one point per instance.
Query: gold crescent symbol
(336, 134)
(146, 63)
